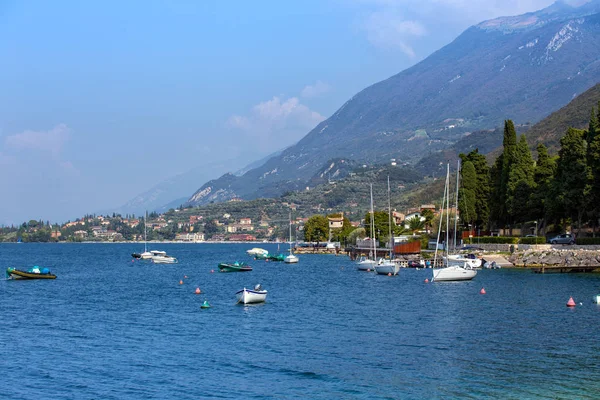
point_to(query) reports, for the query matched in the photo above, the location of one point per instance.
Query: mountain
(576, 114)
(521, 67)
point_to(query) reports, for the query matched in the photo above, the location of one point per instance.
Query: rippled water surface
(110, 328)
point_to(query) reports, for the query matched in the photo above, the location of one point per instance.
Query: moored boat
(32, 273)
(386, 267)
(248, 296)
(453, 273)
(235, 267)
(257, 251)
(164, 259)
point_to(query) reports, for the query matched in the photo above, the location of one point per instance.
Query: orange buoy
(571, 302)
(198, 291)
(482, 291)
(389, 274)
(426, 280)
(181, 282)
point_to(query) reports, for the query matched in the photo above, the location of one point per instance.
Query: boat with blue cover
(32, 273)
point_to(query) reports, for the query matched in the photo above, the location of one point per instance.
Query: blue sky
(101, 100)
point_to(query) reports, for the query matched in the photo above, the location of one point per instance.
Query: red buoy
(571, 302)
(389, 274)
(482, 291)
(426, 280)
(198, 291)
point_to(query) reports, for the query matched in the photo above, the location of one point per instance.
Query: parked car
(565, 238)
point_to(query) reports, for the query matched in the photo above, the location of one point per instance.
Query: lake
(110, 328)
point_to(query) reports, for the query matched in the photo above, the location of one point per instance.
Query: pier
(556, 269)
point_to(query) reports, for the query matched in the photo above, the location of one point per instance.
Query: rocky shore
(567, 257)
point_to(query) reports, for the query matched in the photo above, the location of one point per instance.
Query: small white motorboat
(256, 251)
(291, 259)
(248, 296)
(164, 259)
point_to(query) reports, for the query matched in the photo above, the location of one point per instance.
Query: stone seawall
(568, 256)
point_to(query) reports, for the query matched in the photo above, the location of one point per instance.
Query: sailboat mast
(373, 225)
(290, 232)
(456, 203)
(145, 234)
(441, 222)
(447, 210)
(390, 219)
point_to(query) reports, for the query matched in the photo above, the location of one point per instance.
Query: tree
(415, 224)
(210, 228)
(508, 160)
(381, 225)
(482, 187)
(520, 182)
(571, 174)
(466, 193)
(316, 229)
(544, 171)
(428, 215)
(593, 163)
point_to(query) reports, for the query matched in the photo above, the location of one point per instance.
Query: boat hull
(17, 274)
(366, 265)
(164, 260)
(291, 259)
(248, 296)
(387, 268)
(234, 268)
(453, 273)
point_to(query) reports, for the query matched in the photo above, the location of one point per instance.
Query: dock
(562, 269)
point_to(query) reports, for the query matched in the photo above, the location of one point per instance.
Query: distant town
(187, 226)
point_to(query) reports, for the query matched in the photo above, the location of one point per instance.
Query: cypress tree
(482, 188)
(572, 174)
(509, 143)
(521, 178)
(545, 168)
(466, 196)
(593, 164)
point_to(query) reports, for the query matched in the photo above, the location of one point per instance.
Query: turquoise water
(110, 328)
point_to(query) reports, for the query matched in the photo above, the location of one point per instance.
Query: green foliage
(587, 241)
(532, 240)
(316, 229)
(381, 225)
(572, 174)
(482, 188)
(467, 193)
(493, 239)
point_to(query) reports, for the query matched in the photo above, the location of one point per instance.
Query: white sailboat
(291, 258)
(457, 270)
(146, 255)
(387, 267)
(368, 264)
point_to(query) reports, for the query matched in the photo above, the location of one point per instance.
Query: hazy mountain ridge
(490, 73)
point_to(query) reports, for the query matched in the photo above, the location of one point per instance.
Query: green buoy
(205, 304)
